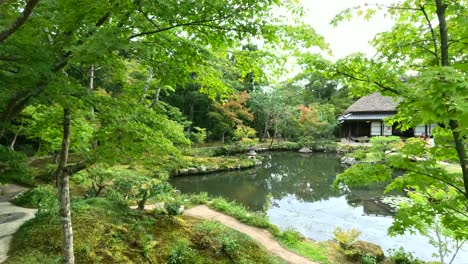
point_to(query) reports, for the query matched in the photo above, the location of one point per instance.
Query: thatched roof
(373, 103)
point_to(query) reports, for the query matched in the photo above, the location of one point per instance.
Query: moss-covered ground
(110, 232)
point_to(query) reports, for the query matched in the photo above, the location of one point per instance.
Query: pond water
(302, 198)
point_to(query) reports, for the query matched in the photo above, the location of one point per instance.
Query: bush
(359, 154)
(290, 237)
(13, 167)
(399, 256)
(43, 197)
(368, 259)
(182, 253)
(346, 238)
(361, 249)
(173, 208)
(241, 213)
(231, 247)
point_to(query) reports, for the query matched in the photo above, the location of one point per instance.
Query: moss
(108, 232)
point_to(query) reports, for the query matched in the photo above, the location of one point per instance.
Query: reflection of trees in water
(368, 197)
(308, 177)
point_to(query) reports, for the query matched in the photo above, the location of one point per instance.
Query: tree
(428, 38)
(49, 58)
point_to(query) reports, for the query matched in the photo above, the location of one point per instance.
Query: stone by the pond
(192, 170)
(183, 171)
(305, 150)
(201, 169)
(258, 162)
(252, 153)
(348, 160)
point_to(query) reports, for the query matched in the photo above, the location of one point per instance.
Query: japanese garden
(233, 131)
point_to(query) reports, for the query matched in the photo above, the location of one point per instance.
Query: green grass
(295, 242)
(107, 231)
(290, 239)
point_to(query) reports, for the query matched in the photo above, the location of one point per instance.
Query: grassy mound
(109, 232)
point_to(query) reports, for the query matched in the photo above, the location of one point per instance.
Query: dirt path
(11, 218)
(260, 235)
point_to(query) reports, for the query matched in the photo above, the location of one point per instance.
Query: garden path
(262, 236)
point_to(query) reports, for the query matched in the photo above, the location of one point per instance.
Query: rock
(192, 170)
(305, 150)
(258, 162)
(201, 169)
(183, 171)
(180, 210)
(348, 160)
(252, 148)
(252, 153)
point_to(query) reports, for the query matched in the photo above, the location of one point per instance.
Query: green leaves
(364, 174)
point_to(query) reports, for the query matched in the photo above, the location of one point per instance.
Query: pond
(302, 198)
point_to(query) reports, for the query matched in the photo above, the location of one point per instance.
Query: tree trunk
(142, 202)
(146, 86)
(461, 151)
(265, 131)
(63, 186)
(13, 141)
(444, 49)
(156, 96)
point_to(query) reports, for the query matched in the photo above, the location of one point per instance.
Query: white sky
(349, 36)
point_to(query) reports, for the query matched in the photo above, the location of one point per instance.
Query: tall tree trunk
(147, 84)
(156, 96)
(13, 141)
(265, 131)
(63, 186)
(441, 8)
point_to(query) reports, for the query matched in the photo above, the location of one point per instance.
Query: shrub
(363, 248)
(201, 198)
(205, 236)
(13, 167)
(43, 197)
(182, 253)
(290, 237)
(173, 208)
(368, 259)
(346, 238)
(399, 256)
(231, 247)
(359, 154)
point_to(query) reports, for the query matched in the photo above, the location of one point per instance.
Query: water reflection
(308, 177)
(303, 198)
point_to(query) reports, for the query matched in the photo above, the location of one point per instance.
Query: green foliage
(290, 237)
(173, 207)
(399, 256)
(294, 241)
(363, 174)
(359, 154)
(43, 197)
(241, 213)
(13, 167)
(346, 238)
(140, 188)
(182, 253)
(368, 259)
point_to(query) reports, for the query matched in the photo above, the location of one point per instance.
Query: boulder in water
(305, 150)
(348, 160)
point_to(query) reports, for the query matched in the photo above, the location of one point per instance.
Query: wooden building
(365, 118)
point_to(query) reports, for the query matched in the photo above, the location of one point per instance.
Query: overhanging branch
(19, 21)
